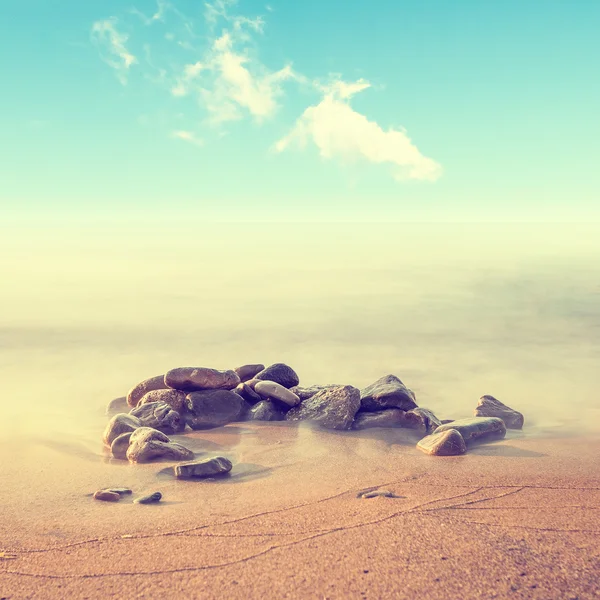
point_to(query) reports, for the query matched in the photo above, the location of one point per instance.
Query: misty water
(455, 310)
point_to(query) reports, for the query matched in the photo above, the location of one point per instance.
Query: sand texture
(517, 518)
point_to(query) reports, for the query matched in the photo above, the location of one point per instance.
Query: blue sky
(424, 109)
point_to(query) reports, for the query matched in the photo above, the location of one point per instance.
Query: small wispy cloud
(187, 136)
(340, 132)
(112, 45)
(222, 72)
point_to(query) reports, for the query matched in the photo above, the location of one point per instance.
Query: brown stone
(489, 406)
(477, 428)
(445, 443)
(147, 444)
(248, 371)
(121, 423)
(136, 393)
(387, 392)
(191, 379)
(107, 496)
(174, 398)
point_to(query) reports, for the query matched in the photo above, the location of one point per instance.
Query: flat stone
(174, 398)
(279, 373)
(159, 415)
(120, 445)
(116, 406)
(390, 417)
(378, 494)
(147, 444)
(247, 393)
(446, 421)
(121, 491)
(489, 406)
(477, 428)
(149, 499)
(332, 408)
(208, 467)
(121, 423)
(136, 393)
(445, 443)
(387, 392)
(213, 408)
(249, 371)
(107, 496)
(421, 419)
(269, 390)
(265, 410)
(192, 379)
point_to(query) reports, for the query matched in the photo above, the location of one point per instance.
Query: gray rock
(213, 408)
(421, 419)
(136, 393)
(387, 392)
(332, 408)
(265, 410)
(304, 393)
(192, 379)
(269, 390)
(446, 421)
(174, 398)
(444, 443)
(391, 417)
(208, 467)
(159, 415)
(121, 423)
(107, 496)
(248, 371)
(279, 373)
(477, 428)
(489, 406)
(146, 444)
(120, 445)
(149, 499)
(116, 406)
(247, 393)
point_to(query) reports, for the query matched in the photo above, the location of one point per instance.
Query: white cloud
(159, 15)
(339, 132)
(241, 83)
(187, 136)
(105, 36)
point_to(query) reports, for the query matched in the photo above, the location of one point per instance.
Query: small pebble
(107, 496)
(150, 499)
(376, 493)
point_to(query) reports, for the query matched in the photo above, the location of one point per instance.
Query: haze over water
(455, 310)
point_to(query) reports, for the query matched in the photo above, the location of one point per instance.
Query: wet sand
(513, 519)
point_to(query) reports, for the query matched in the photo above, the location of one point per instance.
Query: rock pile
(204, 398)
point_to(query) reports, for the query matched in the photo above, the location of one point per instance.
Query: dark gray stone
(149, 499)
(136, 393)
(391, 417)
(174, 398)
(147, 444)
(159, 415)
(209, 467)
(421, 419)
(387, 392)
(249, 371)
(265, 410)
(247, 393)
(304, 393)
(443, 443)
(279, 373)
(489, 406)
(121, 423)
(477, 428)
(213, 408)
(121, 491)
(332, 408)
(116, 406)
(192, 379)
(120, 445)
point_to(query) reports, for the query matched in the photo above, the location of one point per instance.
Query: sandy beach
(513, 519)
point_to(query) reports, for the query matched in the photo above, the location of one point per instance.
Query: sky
(394, 110)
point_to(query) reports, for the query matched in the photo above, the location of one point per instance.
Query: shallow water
(455, 310)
